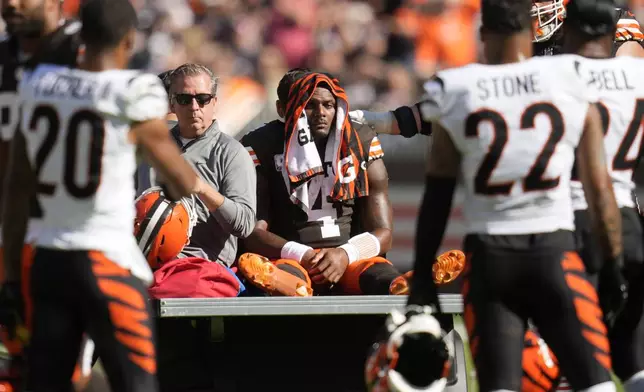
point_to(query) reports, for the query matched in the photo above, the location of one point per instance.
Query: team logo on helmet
(163, 227)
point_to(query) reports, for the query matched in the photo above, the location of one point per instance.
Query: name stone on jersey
(508, 86)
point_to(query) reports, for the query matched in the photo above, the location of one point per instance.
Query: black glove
(12, 309)
(613, 290)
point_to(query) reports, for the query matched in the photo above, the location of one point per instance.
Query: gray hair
(191, 69)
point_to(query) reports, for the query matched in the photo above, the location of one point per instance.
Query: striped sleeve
(628, 28)
(253, 156)
(145, 99)
(375, 149)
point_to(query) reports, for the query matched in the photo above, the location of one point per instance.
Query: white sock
(635, 383)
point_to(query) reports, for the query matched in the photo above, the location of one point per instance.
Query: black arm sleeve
(407, 122)
(432, 221)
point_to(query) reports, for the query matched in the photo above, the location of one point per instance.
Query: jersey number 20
(94, 152)
(534, 180)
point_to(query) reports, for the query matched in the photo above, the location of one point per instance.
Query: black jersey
(328, 224)
(60, 47)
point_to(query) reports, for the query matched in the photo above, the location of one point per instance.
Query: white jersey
(516, 127)
(76, 125)
(619, 86)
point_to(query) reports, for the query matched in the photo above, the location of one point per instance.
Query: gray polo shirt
(223, 163)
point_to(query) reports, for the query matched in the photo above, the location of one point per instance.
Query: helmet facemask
(547, 18)
(381, 371)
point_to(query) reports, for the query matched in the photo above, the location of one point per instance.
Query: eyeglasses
(186, 99)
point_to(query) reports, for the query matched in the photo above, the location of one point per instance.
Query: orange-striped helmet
(547, 17)
(540, 366)
(162, 227)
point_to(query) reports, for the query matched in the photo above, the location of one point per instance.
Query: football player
(36, 33)
(501, 128)
(620, 89)
(73, 156)
(448, 265)
(321, 171)
(619, 94)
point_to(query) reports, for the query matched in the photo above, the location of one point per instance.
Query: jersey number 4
(621, 161)
(93, 152)
(534, 180)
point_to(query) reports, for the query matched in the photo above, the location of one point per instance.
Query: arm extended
(442, 170)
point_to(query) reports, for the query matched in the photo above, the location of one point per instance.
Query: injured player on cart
(323, 210)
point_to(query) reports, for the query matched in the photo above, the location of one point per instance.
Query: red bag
(194, 277)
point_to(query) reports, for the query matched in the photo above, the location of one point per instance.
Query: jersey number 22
(534, 180)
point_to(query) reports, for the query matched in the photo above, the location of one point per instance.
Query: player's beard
(32, 24)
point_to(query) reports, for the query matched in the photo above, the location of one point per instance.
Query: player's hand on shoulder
(328, 265)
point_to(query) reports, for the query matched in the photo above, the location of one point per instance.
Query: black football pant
(512, 278)
(627, 335)
(76, 292)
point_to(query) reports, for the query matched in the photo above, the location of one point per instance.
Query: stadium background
(381, 50)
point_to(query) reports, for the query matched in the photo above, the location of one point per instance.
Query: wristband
(294, 251)
(362, 246)
(406, 121)
(352, 252)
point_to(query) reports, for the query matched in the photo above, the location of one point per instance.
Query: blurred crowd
(381, 50)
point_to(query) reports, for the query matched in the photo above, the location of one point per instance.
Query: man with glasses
(225, 208)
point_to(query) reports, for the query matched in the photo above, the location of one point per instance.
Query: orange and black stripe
(587, 308)
(349, 148)
(128, 312)
(538, 376)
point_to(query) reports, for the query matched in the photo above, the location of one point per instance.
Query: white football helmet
(547, 17)
(414, 343)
